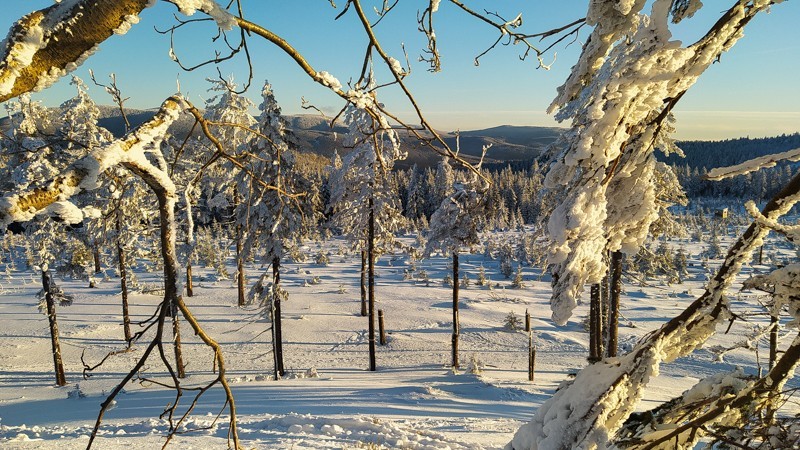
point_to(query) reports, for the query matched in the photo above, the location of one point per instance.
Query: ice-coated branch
(723, 401)
(619, 99)
(591, 409)
(46, 44)
(82, 175)
(755, 164)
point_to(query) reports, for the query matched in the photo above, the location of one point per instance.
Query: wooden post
(531, 356)
(381, 327)
(61, 379)
(189, 287)
(527, 321)
(456, 322)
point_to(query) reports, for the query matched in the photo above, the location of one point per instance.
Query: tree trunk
(123, 284)
(189, 287)
(96, 256)
(604, 299)
(773, 341)
(371, 287)
(166, 211)
(613, 303)
(456, 324)
(276, 318)
(239, 267)
(61, 379)
(363, 283)
(180, 370)
(594, 324)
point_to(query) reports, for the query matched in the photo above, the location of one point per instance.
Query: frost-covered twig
(755, 164)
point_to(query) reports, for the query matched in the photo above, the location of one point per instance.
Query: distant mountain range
(314, 135)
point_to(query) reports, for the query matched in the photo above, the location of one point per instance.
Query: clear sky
(754, 90)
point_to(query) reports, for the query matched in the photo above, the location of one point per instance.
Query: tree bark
(456, 324)
(276, 318)
(180, 369)
(61, 379)
(363, 283)
(96, 257)
(166, 210)
(239, 267)
(90, 23)
(595, 325)
(189, 287)
(371, 287)
(123, 284)
(613, 304)
(773, 340)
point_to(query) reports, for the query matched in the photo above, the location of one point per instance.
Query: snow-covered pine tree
(230, 112)
(31, 154)
(453, 225)
(270, 216)
(364, 207)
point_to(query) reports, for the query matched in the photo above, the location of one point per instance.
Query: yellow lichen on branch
(28, 62)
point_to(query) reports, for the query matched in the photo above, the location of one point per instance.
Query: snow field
(329, 399)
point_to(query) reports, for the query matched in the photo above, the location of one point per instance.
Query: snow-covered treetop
(457, 221)
(79, 119)
(362, 175)
(272, 219)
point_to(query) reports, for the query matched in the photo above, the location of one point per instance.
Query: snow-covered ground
(330, 400)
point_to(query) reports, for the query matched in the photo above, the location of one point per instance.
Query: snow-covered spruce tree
(364, 207)
(628, 78)
(78, 133)
(270, 215)
(453, 225)
(127, 221)
(30, 154)
(231, 112)
(632, 72)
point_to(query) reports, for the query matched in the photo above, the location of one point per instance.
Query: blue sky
(752, 92)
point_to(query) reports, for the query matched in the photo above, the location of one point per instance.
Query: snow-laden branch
(619, 99)
(47, 44)
(723, 401)
(762, 162)
(588, 411)
(82, 175)
(792, 233)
